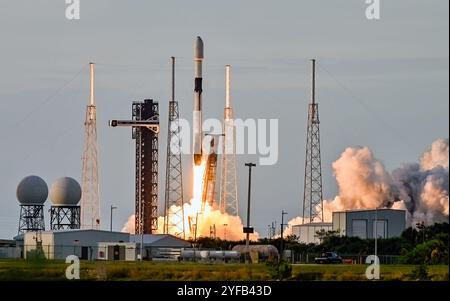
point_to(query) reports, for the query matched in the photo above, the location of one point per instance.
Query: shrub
(280, 270)
(420, 273)
(36, 256)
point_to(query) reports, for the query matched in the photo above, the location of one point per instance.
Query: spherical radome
(32, 190)
(65, 192)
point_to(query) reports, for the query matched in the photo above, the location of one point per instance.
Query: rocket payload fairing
(197, 116)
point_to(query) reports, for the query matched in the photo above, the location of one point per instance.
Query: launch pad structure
(145, 130)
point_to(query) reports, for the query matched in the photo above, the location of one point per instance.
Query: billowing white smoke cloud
(362, 180)
(226, 226)
(129, 226)
(295, 221)
(421, 189)
(437, 156)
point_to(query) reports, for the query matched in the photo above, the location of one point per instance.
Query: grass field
(55, 270)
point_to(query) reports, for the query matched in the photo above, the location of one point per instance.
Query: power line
(367, 108)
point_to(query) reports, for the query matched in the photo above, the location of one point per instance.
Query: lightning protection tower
(228, 188)
(173, 210)
(312, 191)
(90, 202)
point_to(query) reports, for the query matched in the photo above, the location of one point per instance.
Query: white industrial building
(100, 245)
(60, 244)
(364, 224)
(307, 233)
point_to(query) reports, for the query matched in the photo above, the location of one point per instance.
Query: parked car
(328, 257)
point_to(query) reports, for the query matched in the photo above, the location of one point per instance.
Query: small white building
(117, 251)
(307, 233)
(62, 243)
(160, 246)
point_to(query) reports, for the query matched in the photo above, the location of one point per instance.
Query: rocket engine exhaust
(197, 116)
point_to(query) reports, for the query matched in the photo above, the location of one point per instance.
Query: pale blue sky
(382, 84)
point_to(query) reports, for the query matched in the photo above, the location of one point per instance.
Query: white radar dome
(65, 192)
(32, 190)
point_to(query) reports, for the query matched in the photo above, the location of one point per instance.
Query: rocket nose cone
(198, 48)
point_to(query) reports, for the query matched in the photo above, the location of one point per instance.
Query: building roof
(82, 230)
(369, 210)
(318, 224)
(160, 240)
(4, 242)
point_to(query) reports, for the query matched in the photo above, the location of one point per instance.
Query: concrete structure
(60, 244)
(362, 223)
(307, 233)
(160, 246)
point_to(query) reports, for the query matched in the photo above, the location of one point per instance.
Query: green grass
(125, 271)
(357, 272)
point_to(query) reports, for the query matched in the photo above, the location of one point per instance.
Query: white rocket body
(197, 116)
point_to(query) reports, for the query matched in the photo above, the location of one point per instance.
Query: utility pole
(225, 231)
(248, 229)
(111, 218)
(283, 213)
(376, 232)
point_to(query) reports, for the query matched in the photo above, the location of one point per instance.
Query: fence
(102, 251)
(347, 258)
(10, 252)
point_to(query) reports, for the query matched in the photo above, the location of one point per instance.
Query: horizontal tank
(209, 255)
(264, 251)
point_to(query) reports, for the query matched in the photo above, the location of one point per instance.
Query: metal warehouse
(364, 224)
(60, 244)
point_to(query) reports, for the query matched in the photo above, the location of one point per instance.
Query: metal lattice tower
(312, 193)
(228, 188)
(145, 130)
(173, 210)
(31, 218)
(64, 217)
(146, 220)
(90, 202)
